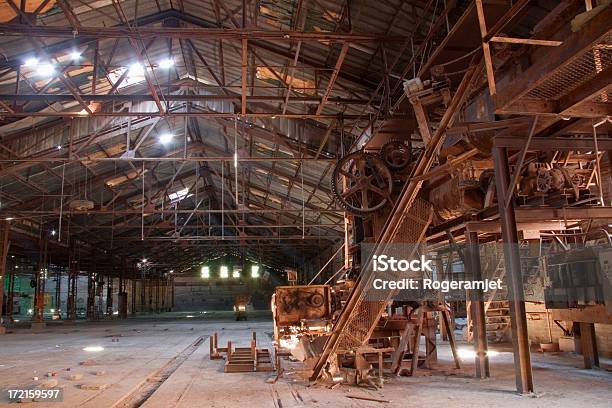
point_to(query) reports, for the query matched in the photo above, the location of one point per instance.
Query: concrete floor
(160, 363)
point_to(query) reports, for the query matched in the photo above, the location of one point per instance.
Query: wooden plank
(529, 41)
(485, 48)
(590, 314)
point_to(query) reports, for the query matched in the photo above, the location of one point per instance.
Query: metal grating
(366, 313)
(577, 72)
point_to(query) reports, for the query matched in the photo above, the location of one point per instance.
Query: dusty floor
(163, 363)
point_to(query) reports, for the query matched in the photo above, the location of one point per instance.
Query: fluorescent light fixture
(224, 272)
(93, 348)
(31, 62)
(136, 69)
(166, 63)
(254, 271)
(165, 138)
(9, 218)
(236, 159)
(45, 69)
(205, 272)
(236, 273)
(75, 55)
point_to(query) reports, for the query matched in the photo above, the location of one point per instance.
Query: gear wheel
(368, 183)
(396, 154)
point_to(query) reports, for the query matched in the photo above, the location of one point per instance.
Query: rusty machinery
(241, 303)
(300, 311)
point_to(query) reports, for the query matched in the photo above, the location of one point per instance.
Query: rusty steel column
(109, 296)
(11, 294)
(91, 296)
(58, 289)
(39, 295)
(73, 273)
(133, 283)
(479, 323)
(520, 337)
(4, 237)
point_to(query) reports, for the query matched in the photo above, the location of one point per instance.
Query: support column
(479, 324)
(4, 243)
(11, 294)
(133, 296)
(73, 274)
(39, 294)
(122, 296)
(91, 296)
(588, 345)
(520, 341)
(58, 290)
(109, 297)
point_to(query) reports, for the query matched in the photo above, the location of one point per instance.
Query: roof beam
(333, 77)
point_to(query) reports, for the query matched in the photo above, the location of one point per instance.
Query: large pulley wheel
(362, 183)
(396, 154)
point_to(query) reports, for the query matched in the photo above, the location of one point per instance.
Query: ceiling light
(31, 62)
(75, 55)
(167, 63)
(254, 271)
(136, 69)
(224, 272)
(9, 218)
(205, 272)
(45, 70)
(53, 232)
(144, 260)
(59, 147)
(165, 138)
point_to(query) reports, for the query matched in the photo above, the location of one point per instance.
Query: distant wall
(195, 294)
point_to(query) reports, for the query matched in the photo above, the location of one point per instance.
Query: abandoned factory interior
(306, 203)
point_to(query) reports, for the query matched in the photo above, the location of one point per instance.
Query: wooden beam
(529, 41)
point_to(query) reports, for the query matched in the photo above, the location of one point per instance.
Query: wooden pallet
(248, 359)
(264, 360)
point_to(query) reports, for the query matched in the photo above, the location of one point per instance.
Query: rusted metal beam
(48, 97)
(517, 141)
(193, 32)
(333, 77)
(516, 296)
(209, 114)
(245, 62)
(558, 57)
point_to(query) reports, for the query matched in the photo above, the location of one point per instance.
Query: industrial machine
(241, 303)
